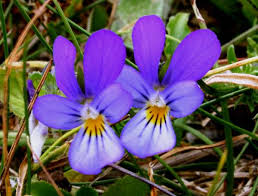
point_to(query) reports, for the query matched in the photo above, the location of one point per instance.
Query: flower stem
(59, 141)
(171, 170)
(51, 156)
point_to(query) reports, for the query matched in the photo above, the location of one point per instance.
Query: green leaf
(86, 191)
(249, 10)
(249, 98)
(231, 56)
(178, 28)
(129, 11)
(252, 47)
(230, 7)
(98, 19)
(42, 188)
(74, 6)
(128, 186)
(252, 51)
(49, 86)
(16, 101)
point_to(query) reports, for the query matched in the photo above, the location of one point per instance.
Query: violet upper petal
(64, 55)
(193, 57)
(148, 42)
(57, 112)
(114, 103)
(104, 58)
(183, 98)
(88, 153)
(133, 82)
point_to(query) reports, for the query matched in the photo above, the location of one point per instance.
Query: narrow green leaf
(172, 171)
(231, 55)
(252, 47)
(222, 161)
(68, 27)
(223, 122)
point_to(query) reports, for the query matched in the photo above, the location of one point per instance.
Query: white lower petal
(145, 137)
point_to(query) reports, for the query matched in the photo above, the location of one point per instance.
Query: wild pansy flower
(95, 145)
(38, 131)
(150, 131)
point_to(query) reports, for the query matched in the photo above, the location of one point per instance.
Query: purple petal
(30, 89)
(104, 58)
(132, 81)
(193, 57)
(148, 42)
(88, 154)
(64, 54)
(183, 98)
(146, 135)
(114, 103)
(57, 112)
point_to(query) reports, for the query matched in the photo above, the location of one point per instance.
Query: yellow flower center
(156, 114)
(94, 126)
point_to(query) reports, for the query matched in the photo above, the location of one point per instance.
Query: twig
(45, 170)
(191, 156)
(18, 136)
(186, 148)
(106, 171)
(198, 15)
(117, 167)
(225, 61)
(151, 178)
(32, 64)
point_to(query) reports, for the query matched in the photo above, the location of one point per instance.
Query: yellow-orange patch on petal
(95, 126)
(156, 114)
